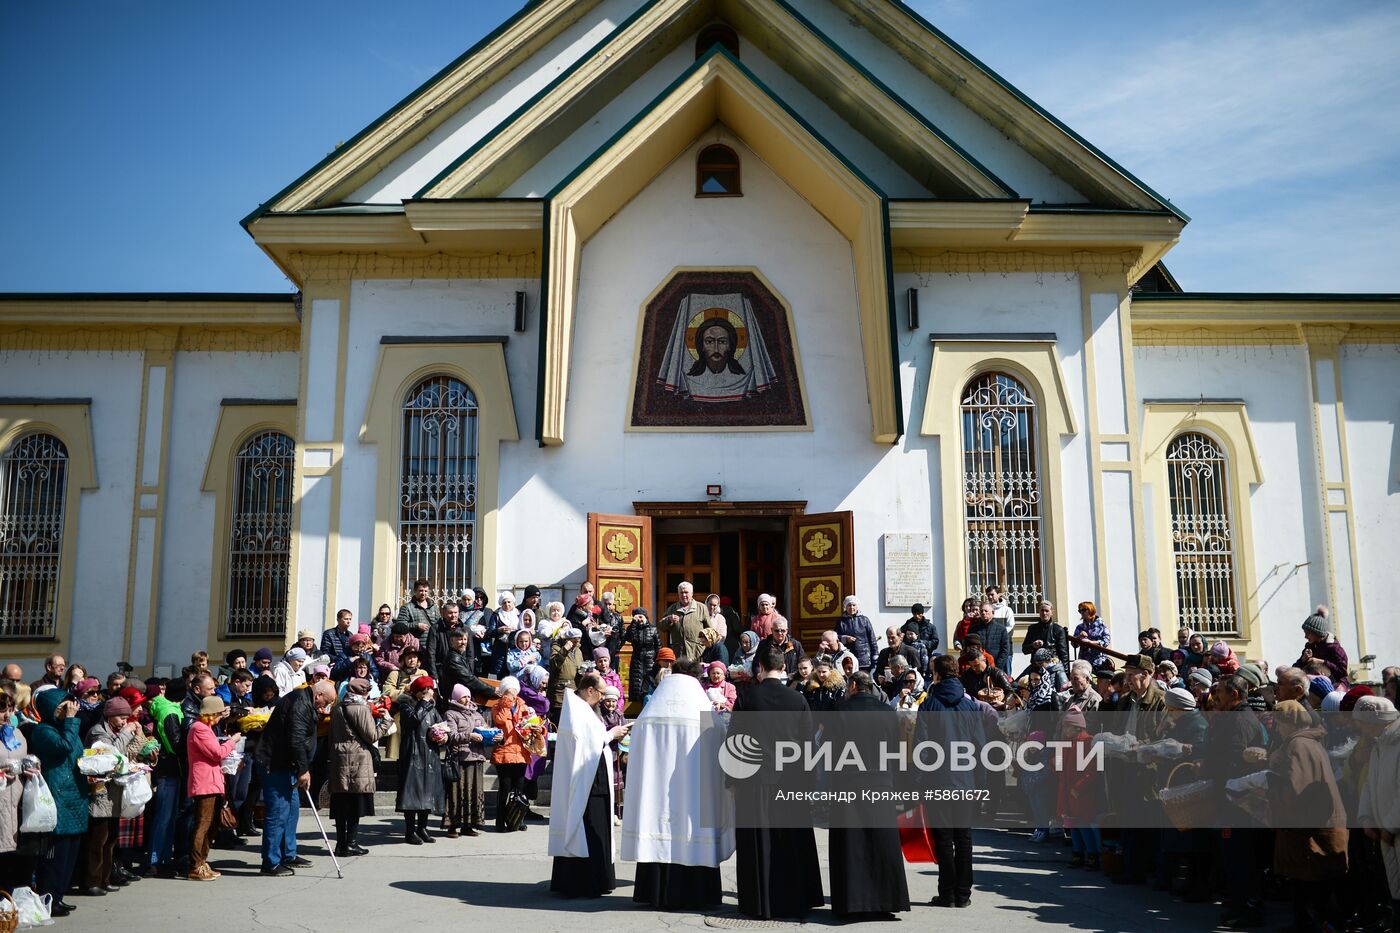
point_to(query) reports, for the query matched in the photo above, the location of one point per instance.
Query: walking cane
(322, 827)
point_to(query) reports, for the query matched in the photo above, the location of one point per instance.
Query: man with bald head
(1292, 685)
(13, 673)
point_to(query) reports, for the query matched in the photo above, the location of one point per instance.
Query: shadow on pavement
(1037, 885)
(517, 894)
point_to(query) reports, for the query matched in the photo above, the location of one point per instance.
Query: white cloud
(1280, 96)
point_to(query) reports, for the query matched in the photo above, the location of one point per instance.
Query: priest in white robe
(580, 815)
(678, 821)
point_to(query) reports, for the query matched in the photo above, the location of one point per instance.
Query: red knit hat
(133, 696)
(1354, 694)
(665, 654)
(421, 682)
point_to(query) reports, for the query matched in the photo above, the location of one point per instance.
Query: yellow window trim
(72, 424)
(236, 424)
(401, 366)
(1227, 423)
(1037, 365)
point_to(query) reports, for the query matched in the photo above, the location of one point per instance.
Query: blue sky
(141, 132)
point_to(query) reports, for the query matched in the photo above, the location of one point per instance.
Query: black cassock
(775, 848)
(677, 887)
(593, 876)
(867, 863)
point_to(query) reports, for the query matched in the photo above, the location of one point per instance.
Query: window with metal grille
(1001, 491)
(33, 493)
(437, 487)
(259, 555)
(1202, 541)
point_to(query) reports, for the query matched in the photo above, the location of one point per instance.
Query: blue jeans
(279, 794)
(1084, 840)
(162, 812)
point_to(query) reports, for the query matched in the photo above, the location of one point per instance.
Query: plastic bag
(38, 810)
(1166, 748)
(1119, 746)
(136, 793)
(97, 765)
(231, 763)
(34, 910)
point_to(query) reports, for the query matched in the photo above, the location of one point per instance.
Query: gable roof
(718, 88)
(908, 137)
(659, 22)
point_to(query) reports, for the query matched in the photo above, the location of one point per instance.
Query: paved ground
(502, 882)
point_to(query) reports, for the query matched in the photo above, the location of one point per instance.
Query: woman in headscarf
(118, 730)
(16, 870)
(762, 621)
(714, 649)
(522, 654)
(1195, 654)
(58, 745)
(602, 663)
(359, 669)
(580, 818)
(719, 690)
(354, 734)
(1045, 695)
(505, 622)
(534, 680)
(714, 616)
(465, 766)
(420, 768)
(742, 664)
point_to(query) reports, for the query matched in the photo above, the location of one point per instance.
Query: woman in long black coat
(423, 733)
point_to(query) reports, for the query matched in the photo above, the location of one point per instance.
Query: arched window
(259, 553)
(33, 490)
(717, 173)
(1001, 491)
(437, 489)
(722, 33)
(1202, 542)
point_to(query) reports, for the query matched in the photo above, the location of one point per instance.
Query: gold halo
(741, 332)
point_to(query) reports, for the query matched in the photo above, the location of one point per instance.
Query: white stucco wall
(113, 382)
(422, 308)
(1273, 382)
(1371, 398)
(1010, 304)
(546, 493)
(402, 177)
(201, 381)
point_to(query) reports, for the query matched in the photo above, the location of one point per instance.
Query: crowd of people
(145, 778)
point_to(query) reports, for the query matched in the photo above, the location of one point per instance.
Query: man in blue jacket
(959, 719)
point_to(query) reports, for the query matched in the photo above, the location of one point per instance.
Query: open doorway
(738, 550)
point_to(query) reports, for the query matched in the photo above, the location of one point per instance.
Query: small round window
(717, 173)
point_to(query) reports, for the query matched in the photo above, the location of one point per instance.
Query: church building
(774, 297)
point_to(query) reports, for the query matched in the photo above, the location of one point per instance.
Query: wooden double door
(808, 566)
(739, 564)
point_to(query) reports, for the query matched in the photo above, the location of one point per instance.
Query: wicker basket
(1188, 804)
(9, 913)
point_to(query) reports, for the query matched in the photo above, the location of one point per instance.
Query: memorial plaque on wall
(908, 570)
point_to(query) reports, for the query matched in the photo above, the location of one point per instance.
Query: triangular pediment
(717, 89)
(589, 75)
